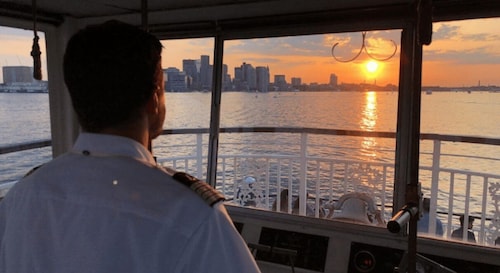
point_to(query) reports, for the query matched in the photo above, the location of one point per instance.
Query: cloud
(445, 32)
(260, 61)
(459, 43)
(456, 32)
(311, 45)
(480, 55)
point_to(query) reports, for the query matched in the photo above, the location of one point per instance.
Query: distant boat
(428, 92)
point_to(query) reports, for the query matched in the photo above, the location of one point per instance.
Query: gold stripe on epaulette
(210, 195)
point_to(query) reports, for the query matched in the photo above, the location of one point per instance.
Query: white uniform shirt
(106, 207)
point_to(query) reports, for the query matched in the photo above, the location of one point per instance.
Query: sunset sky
(461, 54)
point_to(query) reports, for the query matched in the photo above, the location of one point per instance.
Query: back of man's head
(462, 219)
(110, 71)
(426, 204)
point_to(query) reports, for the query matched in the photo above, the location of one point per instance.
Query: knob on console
(364, 261)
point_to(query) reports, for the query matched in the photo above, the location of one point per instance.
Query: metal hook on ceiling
(364, 47)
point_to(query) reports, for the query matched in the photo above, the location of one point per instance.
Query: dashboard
(283, 242)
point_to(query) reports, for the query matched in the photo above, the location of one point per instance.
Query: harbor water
(25, 117)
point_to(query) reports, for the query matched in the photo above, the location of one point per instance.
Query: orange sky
(312, 66)
(461, 54)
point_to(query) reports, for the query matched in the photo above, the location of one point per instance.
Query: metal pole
(408, 134)
(213, 142)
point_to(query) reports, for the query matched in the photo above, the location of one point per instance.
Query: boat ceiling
(55, 11)
(240, 8)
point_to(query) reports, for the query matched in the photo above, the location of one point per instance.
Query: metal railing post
(436, 162)
(303, 174)
(199, 155)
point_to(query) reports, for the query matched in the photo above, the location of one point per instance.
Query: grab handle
(400, 219)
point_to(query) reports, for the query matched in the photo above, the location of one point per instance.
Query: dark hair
(111, 71)
(426, 204)
(462, 218)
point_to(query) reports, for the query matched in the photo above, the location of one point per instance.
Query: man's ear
(152, 105)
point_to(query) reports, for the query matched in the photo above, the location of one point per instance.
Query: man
(458, 233)
(105, 206)
(423, 223)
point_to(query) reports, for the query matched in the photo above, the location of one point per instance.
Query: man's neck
(136, 132)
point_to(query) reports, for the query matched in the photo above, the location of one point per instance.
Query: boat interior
(287, 242)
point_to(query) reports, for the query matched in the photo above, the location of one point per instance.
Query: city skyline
(246, 77)
(460, 55)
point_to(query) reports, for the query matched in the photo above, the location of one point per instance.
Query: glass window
(308, 123)
(459, 161)
(24, 104)
(188, 68)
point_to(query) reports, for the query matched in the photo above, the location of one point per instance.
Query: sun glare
(371, 66)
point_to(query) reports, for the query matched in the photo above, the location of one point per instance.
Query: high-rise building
(280, 82)
(191, 71)
(17, 74)
(238, 79)
(176, 81)
(296, 82)
(205, 75)
(262, 78)
(210, 76)
(245, 78)
(250, 76)
(238, 73)
(333, 80)
(226, 78)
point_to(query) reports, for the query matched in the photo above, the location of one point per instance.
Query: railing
(24, 146)
(321, 179)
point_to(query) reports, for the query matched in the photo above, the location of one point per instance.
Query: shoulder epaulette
(210, 195)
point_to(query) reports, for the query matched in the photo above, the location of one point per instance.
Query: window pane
(462, 99)
(311, 120)
(24, 103)
(188, 66)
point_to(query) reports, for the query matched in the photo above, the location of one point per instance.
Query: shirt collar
(111, 145)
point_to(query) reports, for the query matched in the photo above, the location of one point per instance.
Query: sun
(371, 66)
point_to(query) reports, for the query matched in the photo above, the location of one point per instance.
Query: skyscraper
(333, 80)
(205, 76)
(189, 67)
(296, 82)
(245, 77)
(280, 82)
(175, 80)
(226, 78)
(250, 76)
(262, 78)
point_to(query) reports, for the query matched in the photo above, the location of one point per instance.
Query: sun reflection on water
(368, 123)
